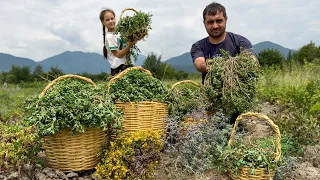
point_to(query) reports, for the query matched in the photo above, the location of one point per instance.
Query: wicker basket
(260, 173)
(140, 33)
(67, 152)
(143, 115)
(187, 119)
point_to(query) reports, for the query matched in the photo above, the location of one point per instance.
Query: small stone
(87, 178)
(61, 175)
(2, 177)
(25, 178)
(46, 171)
(13, 176)
(40, 176)
(72, 175)
(94, 177)
(52, 175)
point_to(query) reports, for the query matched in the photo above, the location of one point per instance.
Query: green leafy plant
(134, 28)
(295, 93)
(259, 153)
(231, 82)
(299, 125)
(19, 145)
(136, 86)
(74, 104)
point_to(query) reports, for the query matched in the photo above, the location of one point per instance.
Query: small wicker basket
(67, 152)
(188, 119)
(142, 115)
(260, 173)
(139, 33)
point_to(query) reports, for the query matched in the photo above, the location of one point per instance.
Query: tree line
(24, 74)
(273, 57)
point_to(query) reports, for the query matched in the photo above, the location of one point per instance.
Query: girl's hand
(133, 43)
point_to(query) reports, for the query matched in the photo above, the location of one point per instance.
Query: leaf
(315, 107)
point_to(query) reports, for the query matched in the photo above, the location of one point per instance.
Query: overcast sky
(39, 29)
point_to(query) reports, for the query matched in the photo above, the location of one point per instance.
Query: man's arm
(200, 64)
(198, 58)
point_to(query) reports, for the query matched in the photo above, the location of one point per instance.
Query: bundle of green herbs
(259, 153)
(185, 99)
(133, 28)
(231, 82)
(137, 86)
(73, 104)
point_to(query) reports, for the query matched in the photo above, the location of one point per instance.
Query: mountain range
(77, 62)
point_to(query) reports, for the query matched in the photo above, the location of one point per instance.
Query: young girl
(113, 43)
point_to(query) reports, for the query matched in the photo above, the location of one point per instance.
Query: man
(215, 20)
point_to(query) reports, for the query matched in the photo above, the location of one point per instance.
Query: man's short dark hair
(212, 10)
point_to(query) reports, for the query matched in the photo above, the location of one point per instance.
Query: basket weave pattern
(260, 173)
(142, 115)
(68, 152)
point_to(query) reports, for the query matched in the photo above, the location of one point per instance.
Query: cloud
(41, 29)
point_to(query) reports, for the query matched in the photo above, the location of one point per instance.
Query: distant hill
(77, 62)
(69, 62)
(6, 60)
(140, 60)
(270, 45)
(184, 61)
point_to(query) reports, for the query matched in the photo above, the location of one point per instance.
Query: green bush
(18, 146)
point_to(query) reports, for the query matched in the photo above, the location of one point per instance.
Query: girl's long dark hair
(105, 51)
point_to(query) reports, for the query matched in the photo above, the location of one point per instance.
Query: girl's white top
(114, 42)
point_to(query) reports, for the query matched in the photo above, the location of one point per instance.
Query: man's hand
(209, 61)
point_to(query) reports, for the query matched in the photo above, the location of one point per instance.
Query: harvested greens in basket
(75, 104)
(136, 86)
(133, 28)
(185, 97)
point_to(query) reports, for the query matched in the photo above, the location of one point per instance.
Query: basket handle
(123, 73)
(64, 77)
(185, 82)
(132, 9)
(269, 121)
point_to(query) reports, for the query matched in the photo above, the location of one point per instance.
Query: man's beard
(221, 33)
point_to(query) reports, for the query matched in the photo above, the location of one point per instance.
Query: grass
(297, 75)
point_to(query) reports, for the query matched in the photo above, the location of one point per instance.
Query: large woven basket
(260, 173)
(140, 33)
(73, 152)
(142, 115)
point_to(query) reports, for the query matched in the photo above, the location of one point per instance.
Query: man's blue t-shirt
(233, 43)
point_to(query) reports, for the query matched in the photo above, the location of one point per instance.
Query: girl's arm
(121, 53)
